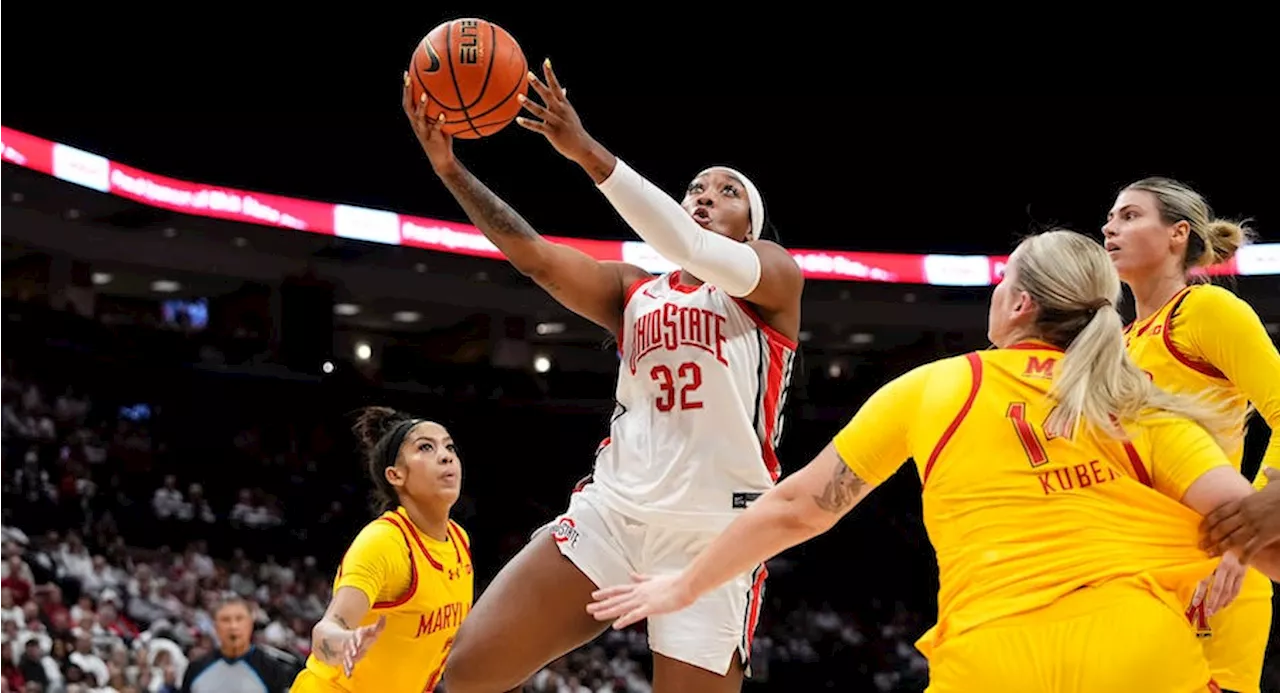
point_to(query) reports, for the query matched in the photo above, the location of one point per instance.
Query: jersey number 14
(678, 388)
(1036, 454)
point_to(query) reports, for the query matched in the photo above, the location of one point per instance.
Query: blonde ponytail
(1093, 382)
(1075, 286)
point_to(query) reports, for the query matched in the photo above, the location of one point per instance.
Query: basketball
(470, 70)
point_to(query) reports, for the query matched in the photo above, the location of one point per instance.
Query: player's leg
(674, 676)
(705, 646)
(535, 610)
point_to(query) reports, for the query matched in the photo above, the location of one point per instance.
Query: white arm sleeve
(660, 221)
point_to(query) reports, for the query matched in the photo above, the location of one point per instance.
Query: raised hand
(437, 145)
(557, 119)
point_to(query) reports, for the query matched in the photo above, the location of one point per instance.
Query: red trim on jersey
(413, 572)
(460, 539)
(766, 327)
(1035, 345)
(1139, 467)
(773, 384)
(975, 365)
(775, 381)
(673, 280)
(631, 290)
(1197, 366)
(753, 609)
(626, 299)
(430, 559)
(1143, 330)
(1214, 687)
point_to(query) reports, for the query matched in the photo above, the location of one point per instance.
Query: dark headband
(396, 439)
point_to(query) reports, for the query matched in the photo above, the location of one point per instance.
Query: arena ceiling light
(346, 309)
(100, 278)
(165, 286)
(406, 316)
(542, 364)
(545, 328)
(363, 351)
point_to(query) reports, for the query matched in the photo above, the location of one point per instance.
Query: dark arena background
(221, 237)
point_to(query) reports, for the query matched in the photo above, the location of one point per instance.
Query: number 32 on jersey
(677, 389)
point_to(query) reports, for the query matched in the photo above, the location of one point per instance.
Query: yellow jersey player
(405, 584)
(1052, 470)
(1203, 340)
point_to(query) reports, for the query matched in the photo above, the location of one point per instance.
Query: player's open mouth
(703, 217)
(449, 477)
(1112, 247)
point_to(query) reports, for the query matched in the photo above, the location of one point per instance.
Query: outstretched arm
(593, 289)
(330, 634)
(868, 450)
(804, 505)
(762, 272)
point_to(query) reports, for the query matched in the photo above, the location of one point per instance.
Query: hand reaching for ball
(558, 122)
(435, 142)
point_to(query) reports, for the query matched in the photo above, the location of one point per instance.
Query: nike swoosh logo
(431, 53)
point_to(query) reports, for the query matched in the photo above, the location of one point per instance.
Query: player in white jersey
(706, 355)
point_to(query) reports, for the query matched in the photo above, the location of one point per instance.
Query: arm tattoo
(486, 210)
(841, 490)
(326, 651)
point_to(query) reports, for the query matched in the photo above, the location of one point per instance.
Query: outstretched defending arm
(867, 451)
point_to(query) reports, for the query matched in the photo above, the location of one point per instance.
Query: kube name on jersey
(670, 327)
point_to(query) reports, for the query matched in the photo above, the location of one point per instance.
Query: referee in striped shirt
(239, 666)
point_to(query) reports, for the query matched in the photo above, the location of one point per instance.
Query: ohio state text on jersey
(701, 387)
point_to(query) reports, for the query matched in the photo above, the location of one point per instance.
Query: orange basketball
(471, 70)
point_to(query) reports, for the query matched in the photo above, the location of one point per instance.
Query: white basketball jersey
(701, 387)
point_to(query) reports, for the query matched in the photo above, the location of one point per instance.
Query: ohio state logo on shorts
(566, 530)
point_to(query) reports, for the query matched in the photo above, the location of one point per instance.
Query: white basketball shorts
(608, 547)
